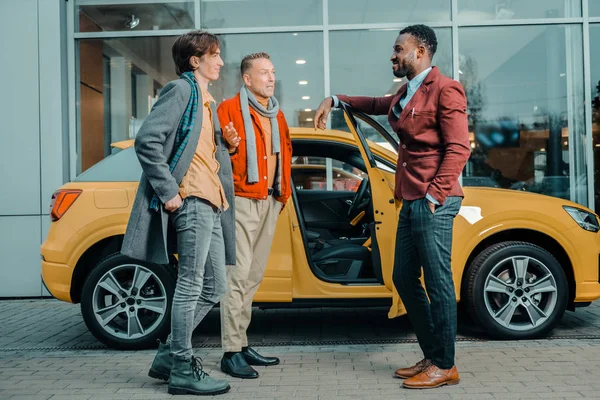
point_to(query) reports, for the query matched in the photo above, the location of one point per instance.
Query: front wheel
(516, 290)
(126, 303)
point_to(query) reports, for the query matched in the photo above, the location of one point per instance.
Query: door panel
(384, 205)
(277, 283)
(325, 209)
(326, 213)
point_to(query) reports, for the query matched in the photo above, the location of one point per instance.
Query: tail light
(61, 201)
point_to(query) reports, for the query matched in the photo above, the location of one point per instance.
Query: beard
(406, 67)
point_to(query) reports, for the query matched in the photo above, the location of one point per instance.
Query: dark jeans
(424, 239)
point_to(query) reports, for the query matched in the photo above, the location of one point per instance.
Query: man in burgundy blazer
(429, 115)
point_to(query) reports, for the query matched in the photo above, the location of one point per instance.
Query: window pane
(381, 11)
(252, 13)
(525, 105)
(595, 72)
(298, 61)
(594, 7)
(313, 173)
(126, 17)
(480, 10)
(121, 78)
(118, 79)
(371, 73)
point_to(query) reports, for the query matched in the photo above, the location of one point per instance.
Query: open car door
(381, 170)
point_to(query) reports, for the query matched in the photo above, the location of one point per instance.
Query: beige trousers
(255, 222)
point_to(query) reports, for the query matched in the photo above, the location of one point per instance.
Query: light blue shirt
(413, 86)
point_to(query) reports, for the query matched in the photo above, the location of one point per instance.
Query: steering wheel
(359, 202)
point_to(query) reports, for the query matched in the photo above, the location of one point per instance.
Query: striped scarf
(183, 131)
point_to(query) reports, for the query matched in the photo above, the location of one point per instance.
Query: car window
(122, 166)
(324, 173)
(374, 128)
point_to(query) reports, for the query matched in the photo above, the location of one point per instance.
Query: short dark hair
(247, 61)
(195, 43)
(424, 35)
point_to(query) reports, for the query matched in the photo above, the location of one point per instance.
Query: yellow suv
(519, 259)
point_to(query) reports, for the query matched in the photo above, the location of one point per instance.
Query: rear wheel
(516, 290)
(126, 303)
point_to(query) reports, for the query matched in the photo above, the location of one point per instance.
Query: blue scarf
(183, 131)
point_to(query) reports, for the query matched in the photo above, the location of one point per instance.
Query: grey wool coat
(149, 236)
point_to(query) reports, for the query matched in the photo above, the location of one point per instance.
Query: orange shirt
(202, 179)
(271, 158)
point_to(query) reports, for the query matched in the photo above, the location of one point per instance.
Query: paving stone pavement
(566, 369)
(36, 362)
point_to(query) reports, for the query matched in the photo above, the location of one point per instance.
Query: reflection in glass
(370, 74)
(525, 106)
(480, 10)
(297, 100)
(321, 173)
(382, 11)
(254, 13)
(120, 80)
(595, 75)
(135, 16)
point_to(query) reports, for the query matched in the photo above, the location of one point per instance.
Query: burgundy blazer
(434, 136)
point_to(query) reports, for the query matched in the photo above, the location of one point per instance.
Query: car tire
(121, 315)
(516, 290)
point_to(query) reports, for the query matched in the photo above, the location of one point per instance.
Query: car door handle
(349, 202)
(327, 262)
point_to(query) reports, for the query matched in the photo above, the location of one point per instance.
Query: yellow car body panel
(102, 211)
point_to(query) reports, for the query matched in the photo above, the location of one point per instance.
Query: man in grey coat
(186, 182)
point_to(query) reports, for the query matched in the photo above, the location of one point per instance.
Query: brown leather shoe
(433, 377)
(405, 373)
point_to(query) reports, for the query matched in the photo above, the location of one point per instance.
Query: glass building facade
(526, 66)
(85, 74)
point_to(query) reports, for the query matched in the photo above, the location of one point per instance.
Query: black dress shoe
(253, 358)
(238, 367)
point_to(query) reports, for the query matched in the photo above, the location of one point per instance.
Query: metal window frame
(326, 63)
(121, 2)
(128, 34)
(197, 15)
(455, 53)
(587, 83)
(570, 116)
(72, 129)
(327, 86)
(325, 28)
(533, 21)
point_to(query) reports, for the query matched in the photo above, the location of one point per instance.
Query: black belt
(270, 191)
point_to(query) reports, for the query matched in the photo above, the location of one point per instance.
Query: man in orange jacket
(262, 177)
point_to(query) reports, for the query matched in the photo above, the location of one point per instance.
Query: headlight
(584, 219)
